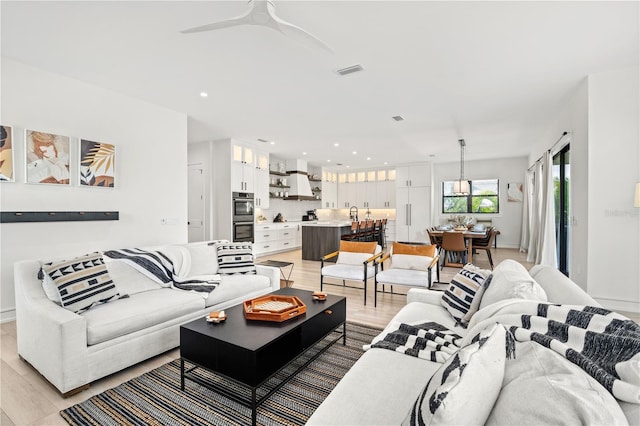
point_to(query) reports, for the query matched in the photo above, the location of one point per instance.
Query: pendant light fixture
(461, 186)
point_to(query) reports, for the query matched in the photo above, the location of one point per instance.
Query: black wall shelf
(13, 217)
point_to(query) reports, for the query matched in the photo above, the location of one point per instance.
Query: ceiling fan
(262, 12)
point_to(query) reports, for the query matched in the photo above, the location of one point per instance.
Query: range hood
(298, 181)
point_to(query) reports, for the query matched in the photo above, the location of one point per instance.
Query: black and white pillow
(458, 297)
(465, 388)
(235, 258)
(82, 282)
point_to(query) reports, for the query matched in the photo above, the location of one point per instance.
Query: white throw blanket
(606, 345)
(160, 267)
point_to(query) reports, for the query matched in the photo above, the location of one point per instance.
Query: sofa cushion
(378, 390)
(511, 280)
(234, 286)
(235, 258)
(458, 297)
(559, 288)
(138, 312)
(180, 258)
(465, 387)
(82, 282)
(128, 280)
(542, 387)
(204, 257)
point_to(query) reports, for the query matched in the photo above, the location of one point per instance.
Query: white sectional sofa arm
(48, 335)
(272, 272)
(424, 295)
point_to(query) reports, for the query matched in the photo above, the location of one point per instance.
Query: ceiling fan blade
(215, 26)
(294, 31)
(231, 22)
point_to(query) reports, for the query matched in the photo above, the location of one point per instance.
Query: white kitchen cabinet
(329, 195)
(385, 194)
(347, 195)
(413, 214)
(276, 237)
(261, 188)
(242, 168)
(415, 175)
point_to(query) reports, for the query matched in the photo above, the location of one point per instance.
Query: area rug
(155, 397)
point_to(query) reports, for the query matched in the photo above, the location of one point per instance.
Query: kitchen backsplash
(291, 210)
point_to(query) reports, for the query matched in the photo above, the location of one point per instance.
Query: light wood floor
(27, 399)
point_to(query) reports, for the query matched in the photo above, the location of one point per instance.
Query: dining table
(468, 235)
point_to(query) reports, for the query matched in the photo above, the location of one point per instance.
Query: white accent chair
(411, 265)
(356, 262)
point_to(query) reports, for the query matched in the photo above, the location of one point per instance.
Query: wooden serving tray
(273, 308)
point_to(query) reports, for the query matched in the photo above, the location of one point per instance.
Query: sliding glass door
(561, 179)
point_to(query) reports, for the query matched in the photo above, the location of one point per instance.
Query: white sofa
(383, 385)
(71, 350)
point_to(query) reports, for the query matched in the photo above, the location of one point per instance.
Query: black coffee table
(251, 353)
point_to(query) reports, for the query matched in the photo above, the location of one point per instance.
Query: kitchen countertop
(330, 224)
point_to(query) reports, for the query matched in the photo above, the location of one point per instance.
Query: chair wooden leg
(490, 259)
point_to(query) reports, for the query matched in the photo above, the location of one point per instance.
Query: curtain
(547, 240)
(526, 213)
(542, 227)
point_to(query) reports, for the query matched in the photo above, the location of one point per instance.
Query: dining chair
(353, 232)
(436, 240)
(485, 244)
(454, 250)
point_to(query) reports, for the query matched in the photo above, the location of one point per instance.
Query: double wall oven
(243, 221)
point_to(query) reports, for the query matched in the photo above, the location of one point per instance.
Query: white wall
(151, 173)
(507, 170)
(573, 118)
(614, 168)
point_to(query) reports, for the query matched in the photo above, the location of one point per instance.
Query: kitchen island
(321, 238)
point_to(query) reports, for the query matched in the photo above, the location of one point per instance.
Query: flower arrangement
(460, 221)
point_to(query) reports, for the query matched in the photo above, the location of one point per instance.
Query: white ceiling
(493, 73)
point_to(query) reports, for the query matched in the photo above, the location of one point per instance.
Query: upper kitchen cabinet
(242, 168)
(414, 175)
(329, 190)
(261, 180)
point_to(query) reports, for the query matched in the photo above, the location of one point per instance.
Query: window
(484, 197)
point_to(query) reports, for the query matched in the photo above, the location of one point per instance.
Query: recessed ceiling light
(398, 118)
(348, 167)
(336, 144)
(368, 158)
(272, 143)
(328, 161)
(304, 153)
(354, 152)
(385, 163)
(204, 94)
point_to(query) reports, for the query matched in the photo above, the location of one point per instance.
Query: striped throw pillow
(458, 297)
(235, 258)
(82, 282)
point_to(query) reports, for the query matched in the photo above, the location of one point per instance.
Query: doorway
(561, 183)
(196, 203)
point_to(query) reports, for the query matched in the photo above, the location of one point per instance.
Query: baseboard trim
(619, 305)
(7, 315)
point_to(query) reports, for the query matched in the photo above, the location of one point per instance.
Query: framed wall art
(46, 158)
(97, 164)
(514, 192)
(6, 154)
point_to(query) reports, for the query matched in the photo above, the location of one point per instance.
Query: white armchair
(356, 262)
(411, 265)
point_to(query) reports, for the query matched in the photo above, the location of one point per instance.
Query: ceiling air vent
(263, 140)
(398, 118)
(350, 70)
